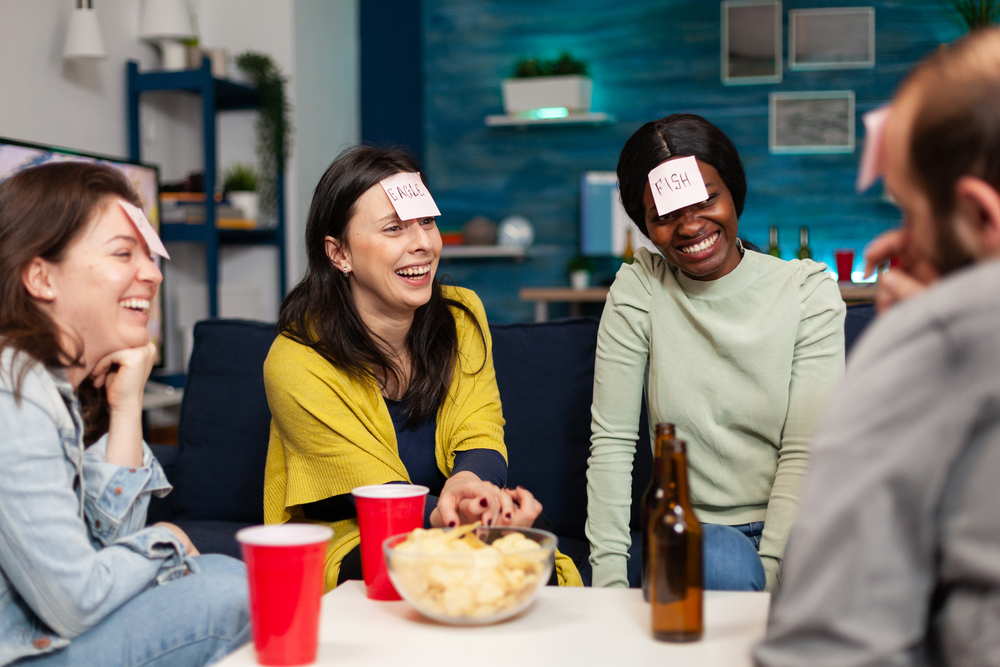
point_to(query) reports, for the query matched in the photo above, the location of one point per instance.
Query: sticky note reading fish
(873, 157)
(142, 224)
(677, 183)
(409, 196)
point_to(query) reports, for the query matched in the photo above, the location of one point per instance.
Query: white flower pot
(247, 202)
(579, 279)
(542, 92)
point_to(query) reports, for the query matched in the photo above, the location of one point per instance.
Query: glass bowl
(465, 581)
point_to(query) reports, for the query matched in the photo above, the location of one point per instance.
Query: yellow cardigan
(331, 432)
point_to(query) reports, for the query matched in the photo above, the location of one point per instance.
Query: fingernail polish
(508, 515)
(483, 502)
(451, 524)
(489, 522)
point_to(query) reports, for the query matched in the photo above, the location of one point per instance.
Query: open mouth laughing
(138, 305)
(701, 246)
(414, 272)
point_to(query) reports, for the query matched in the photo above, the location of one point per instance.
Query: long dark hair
(43, 211)
(677, 135)
(320, 311)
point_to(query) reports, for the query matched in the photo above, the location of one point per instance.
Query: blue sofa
(545, 373)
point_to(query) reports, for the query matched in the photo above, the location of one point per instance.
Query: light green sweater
(742, 365)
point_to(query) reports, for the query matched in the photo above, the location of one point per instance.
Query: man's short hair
(956, 131)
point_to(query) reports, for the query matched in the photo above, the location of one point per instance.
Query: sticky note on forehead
(138, 219)
(873, 158)
(677, 183)
(409, 196)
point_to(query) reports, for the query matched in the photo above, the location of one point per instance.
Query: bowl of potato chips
(470, 575)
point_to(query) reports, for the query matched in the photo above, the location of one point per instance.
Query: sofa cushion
(224, 424)
(545, 373)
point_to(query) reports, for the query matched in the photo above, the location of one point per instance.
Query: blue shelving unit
(216, 95)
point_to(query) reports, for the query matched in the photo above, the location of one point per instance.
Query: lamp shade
(166, 19)
(83, 37)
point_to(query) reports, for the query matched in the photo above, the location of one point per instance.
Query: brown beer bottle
(651, 498)
(675, 553)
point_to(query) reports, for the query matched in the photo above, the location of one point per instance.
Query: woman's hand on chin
(465, 499)
(123, 373)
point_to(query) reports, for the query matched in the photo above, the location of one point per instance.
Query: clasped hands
(465, 499)
(913, 274)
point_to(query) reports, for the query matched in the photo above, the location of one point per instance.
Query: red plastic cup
(285, 567)
(845, 264)
(385, 510)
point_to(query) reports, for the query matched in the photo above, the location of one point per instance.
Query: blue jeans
(193, 620)
(731, 559)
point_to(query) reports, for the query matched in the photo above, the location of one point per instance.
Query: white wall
(82, 105)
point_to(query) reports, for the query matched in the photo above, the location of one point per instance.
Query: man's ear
(977, 214)
(37, 279)
(337, 253)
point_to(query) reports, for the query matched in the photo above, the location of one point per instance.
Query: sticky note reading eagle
(677, 183)
(409, 196)
(142, 224)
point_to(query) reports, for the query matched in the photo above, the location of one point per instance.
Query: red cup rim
(390, 491)
(284, 535)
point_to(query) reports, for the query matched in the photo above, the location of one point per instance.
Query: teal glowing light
(549, 112)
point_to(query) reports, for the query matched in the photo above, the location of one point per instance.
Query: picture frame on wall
(831, 38)
(751, 42)
(812, 122)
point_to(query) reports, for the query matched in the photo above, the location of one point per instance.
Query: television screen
(145, 179)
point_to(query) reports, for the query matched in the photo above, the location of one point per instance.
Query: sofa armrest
(162, 509)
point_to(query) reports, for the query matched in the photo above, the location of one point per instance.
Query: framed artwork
(831, 38)
(751, 42)
(812, 122)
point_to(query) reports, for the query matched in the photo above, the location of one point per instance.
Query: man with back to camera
(895, 556)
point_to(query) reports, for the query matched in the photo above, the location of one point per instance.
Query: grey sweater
(895, 556)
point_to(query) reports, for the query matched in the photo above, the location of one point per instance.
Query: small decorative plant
(976, 13)
(240, 177)
(580, 270)
(274, 129)
(564, 64)
(580, 264)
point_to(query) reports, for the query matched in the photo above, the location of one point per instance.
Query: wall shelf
(496, 251)
(216, 95)
(594, 118)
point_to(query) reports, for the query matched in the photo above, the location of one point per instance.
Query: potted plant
(274, 129)
(547, 88)
(239, 186)
(973, 14)
(580, 270)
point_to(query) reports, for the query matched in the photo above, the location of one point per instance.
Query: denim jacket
(73, 547)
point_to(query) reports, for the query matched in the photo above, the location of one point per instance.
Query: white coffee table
(565, 627)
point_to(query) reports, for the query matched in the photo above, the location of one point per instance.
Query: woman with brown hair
(82, 580)
(381, 374)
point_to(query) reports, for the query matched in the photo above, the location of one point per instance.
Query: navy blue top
(416, 451)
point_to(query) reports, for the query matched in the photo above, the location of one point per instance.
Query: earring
(346, 271)
(49, 294)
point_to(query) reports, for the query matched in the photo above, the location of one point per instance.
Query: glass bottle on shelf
(629, 255)
(804, 251)
(675, 554)
(772, 243)
(651, 498)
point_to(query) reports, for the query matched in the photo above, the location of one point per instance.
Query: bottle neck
(773, 236)
(673, 468)
(804, 237)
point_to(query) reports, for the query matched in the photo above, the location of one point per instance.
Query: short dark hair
(956, 130)
(680, 134)
(320, 311)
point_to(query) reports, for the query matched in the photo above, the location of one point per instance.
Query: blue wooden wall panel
(648, 58)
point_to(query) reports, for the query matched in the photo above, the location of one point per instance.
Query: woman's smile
(699, 239)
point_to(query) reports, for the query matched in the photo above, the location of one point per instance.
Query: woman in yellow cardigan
(380, 374)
